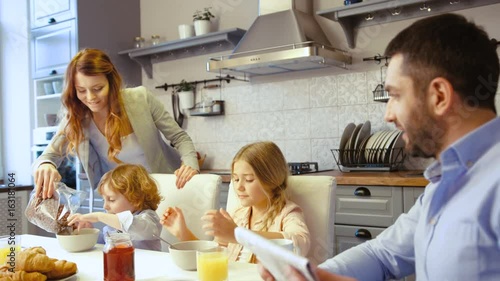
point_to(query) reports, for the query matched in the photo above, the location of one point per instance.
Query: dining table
(149, 265)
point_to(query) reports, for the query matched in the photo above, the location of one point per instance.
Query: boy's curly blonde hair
(134, 182)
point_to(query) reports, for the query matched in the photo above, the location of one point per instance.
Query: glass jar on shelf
(138, 42)
(155, 40)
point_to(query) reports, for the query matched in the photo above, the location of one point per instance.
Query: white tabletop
(149, 265)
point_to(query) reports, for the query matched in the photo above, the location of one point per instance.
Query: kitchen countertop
(397, 178)
(5, 188)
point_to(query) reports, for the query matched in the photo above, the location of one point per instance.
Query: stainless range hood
(284, 37)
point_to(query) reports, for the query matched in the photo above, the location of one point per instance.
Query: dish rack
(380, 159)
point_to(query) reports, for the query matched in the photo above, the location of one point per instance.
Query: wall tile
(324, 122)
(376, 113)
(271, 126)
(270, 97)
(323, 91)
(352, 88)
(321, 152)
(238, 128)
(352, 114)
(248, 99)
(219, 155)
(207, 128)
(295, 93)
(298, 150)
(230, 97)
(297, 124)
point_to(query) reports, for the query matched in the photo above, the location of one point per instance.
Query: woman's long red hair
(92, 62)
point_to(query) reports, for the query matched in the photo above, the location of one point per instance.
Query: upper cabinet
(355, 16)
(192, 46)
(60, 28)
(53, 46)
(47, 12)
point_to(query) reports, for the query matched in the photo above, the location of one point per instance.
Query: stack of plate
(358, 147)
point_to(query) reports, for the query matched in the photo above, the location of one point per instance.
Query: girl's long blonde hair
(93, 62)
(134, 182)
(271, 168)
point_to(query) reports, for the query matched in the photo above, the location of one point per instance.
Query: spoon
(163, 240)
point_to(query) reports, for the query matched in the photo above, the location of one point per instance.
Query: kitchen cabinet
(354, 16)
(45, 12)
(46, 102)
(183, 48)
(410, 196)
(363, 212)
(52, 48)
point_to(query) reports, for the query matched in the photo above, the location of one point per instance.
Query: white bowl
(184, 253)
(50, 119)
(82, 240)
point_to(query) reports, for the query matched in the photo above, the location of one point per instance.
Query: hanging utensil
(178, 116)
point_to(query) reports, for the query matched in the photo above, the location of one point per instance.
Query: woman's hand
(46, 175)
(219, 224)
(184, 174)
(173, 220)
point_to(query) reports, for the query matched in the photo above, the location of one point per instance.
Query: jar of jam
(118, 258)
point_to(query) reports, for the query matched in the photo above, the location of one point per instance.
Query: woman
(106, 125)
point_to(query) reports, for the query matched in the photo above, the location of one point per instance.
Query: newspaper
(274, 257)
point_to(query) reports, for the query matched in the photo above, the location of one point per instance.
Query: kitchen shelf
(49, 97)
(198, 113)
(354, 16)
(183, 48)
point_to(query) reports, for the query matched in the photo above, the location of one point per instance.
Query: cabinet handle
(53, 72)
(363, 233)
(362, 191)
(52, 20)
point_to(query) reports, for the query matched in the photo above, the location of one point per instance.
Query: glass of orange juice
(212, 264)
(8, 250)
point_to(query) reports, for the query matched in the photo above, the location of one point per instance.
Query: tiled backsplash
(305, 117)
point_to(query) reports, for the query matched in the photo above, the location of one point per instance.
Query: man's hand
(293, 274)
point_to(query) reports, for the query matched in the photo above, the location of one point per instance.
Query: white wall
(306, 112)
(15, 90)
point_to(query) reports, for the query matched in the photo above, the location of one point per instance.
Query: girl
(130, 200)
(259, 175)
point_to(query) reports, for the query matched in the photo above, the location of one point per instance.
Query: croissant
(31, 261)
(37, 249)
(62, 269)
(22, 276)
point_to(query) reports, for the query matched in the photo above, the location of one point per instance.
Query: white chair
(315, 195)
(200, 194)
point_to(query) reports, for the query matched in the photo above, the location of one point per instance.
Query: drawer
(410, 196)
(348, 236)
(368, 205)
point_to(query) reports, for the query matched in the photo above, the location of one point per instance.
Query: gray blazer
(149, 121)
